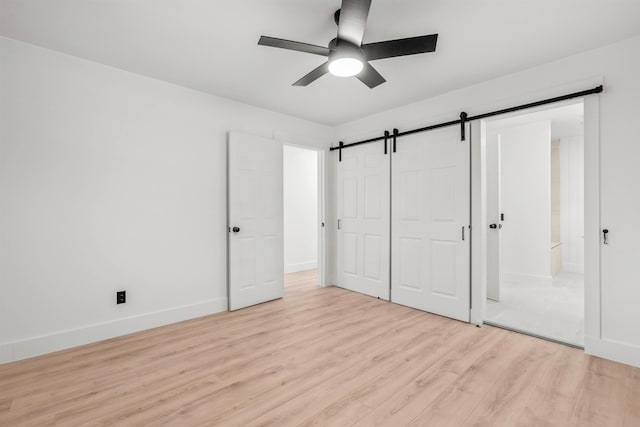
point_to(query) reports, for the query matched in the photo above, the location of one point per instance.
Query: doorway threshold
(531, 334)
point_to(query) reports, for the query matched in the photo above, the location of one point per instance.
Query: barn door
(430, 223)
(363, 220)
(255, 193)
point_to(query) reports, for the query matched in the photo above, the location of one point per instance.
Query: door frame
(321, 203)
(496, 180)
(592, 224)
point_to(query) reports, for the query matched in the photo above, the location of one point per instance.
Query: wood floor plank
(632, 407)
(320, 356)
(415, 342)
(554, 395)
(507, 397)
(454, 404)
(405, 404)
(239, 390)
(603, 397)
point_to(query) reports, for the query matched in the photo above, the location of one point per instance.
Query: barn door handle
(463, 232)
(604, 233)
(338, 224)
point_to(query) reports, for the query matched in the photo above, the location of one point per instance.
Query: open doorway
(275, 201)
(302, 218)
(535, 211)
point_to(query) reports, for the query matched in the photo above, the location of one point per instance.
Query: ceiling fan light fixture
(346, 60)
(345, 67)
(346, 54)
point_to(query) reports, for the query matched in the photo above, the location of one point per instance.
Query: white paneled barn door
(255, 193)
(363, 220)
(430, 223)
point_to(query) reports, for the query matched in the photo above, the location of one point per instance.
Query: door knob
(235, 229)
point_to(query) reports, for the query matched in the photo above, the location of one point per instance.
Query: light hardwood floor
(320, 356)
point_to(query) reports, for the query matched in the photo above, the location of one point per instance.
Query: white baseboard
(525, 279)
(36, 346)
(613, 350)
(302, 266)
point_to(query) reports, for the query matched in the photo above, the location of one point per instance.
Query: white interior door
(363, 215)
(430, 223)
(255, 193)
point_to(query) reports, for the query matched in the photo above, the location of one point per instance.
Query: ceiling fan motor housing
(343, 49)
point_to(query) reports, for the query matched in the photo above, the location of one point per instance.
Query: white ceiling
(211, 45)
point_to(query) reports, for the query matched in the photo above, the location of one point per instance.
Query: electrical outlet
(121, 297)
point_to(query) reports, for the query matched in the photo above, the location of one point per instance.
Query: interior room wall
(300, 209)
(572, 202)
(617, 67)
(525, 199)
(111, 181)
(95, 162)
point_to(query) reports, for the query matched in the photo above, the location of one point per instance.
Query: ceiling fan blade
(353, 20)
(370, 76)
(313, 75)
(291, 45)
(400, 47)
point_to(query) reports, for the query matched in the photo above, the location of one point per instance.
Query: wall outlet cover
(121, 297)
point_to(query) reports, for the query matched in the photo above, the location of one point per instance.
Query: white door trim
(322, 256)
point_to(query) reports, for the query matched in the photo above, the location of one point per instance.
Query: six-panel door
(430, 223)
(255, 192)
(363, 213)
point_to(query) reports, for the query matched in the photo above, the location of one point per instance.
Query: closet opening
(534, 172)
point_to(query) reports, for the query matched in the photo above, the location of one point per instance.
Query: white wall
(525, 199)
(300, 209)
(618, 67)
(111, 180)
(572, 203)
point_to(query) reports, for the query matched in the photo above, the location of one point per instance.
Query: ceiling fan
(347, 56)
